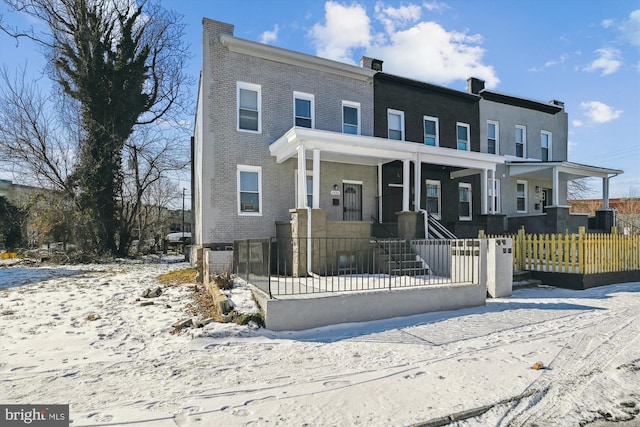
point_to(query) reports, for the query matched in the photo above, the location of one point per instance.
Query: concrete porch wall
(305, 313)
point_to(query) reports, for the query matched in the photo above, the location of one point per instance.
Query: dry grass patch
(178, 277)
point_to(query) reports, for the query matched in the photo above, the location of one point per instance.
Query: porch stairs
(522, 279)
(397, 258)
(435, 230)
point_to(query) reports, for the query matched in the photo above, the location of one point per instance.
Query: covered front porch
(315, 150)
(549, 197)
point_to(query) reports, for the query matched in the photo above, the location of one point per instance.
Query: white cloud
(269, 36)
(599, 112)
(392, 17)
(563, 58)
(631, 28)
(435, 5)
(577, 123)
(608, 62)
(606, 23)
(345, 28)
(408, 46)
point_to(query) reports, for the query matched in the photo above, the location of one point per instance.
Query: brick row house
(289, 144)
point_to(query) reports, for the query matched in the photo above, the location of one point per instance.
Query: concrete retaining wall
(305, 313)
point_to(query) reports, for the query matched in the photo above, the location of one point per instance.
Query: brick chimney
(371, 63)
(475, 85)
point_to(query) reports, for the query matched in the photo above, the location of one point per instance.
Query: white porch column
(605, 193)
(416, 184)
(302, 178)
(379, 192)
(556, 187)
(406, 174)
(316, 179)
(484, 194)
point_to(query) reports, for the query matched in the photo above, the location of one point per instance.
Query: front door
(546, 198)
(352, 202)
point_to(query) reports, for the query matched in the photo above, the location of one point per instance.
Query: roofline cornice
(260, 50)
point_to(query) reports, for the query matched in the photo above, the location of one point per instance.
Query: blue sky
(585, 53)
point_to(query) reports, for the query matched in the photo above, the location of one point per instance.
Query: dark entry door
(546, 198)
(352, 202)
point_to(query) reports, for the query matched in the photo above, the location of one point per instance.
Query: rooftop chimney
(557, 103)
(475, 85)
(371, 63)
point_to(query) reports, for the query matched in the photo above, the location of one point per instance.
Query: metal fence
(300, 266)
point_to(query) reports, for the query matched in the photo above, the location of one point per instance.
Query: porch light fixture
(335, 186)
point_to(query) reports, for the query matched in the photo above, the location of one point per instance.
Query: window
(521, 141)
(351, 117)
(249, 190)
(464, 201)
(545, 144)
(463, 136)
(395, 121)
(493, 137)
(494, 197)
(309, 187)
(521, 196)
(303, 109)
(249, 107)
(431, 131)
(433, 198)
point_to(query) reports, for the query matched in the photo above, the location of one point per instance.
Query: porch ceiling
(371, 151)
(544, 170)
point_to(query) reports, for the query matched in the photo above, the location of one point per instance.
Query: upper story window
(351, 117)
(395, 120)
(545, 144)
(249, 101)
(431, 131)
(493, 137)
(521, 196)
(464, 201)
(303, 110)
(521, 141)
(249, 190)
(463, 136)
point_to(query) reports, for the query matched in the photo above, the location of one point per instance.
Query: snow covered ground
(125, 368)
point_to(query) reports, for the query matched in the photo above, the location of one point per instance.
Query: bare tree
(579, 188)
(123, 65)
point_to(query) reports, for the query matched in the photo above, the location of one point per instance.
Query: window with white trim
(462, 132)
(464, 201)
(249, 190)
(431, 131)
(493, 137)
(303, 110)
(395, 120)
(351, 117)
(545, 145)
(521, 141)
(433, 202)
(309, 187)
(521, 196)
(494, 198)
(249, 101)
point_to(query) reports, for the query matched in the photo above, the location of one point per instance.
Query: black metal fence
(295, 266)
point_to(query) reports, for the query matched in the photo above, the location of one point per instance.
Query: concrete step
(529, 283)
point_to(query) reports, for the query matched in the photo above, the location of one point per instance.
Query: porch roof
(544, 170)
(371, 151)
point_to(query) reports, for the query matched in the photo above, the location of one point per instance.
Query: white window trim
(468, 134)
(246, 168)
(355, 105)
(524, 141)
(549, 149)
(438, 184)
(434, 119)
(308, 97)
(497, 208)
(466, 185)
(526, 196)
(497, 125)
(401, 114)
(295, 180)
(255, 88)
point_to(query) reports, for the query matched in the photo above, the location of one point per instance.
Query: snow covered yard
(124, 367)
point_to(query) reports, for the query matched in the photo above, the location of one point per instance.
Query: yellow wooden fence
(575, 253)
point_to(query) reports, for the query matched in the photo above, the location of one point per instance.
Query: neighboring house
(292, 145)
(627, 211)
